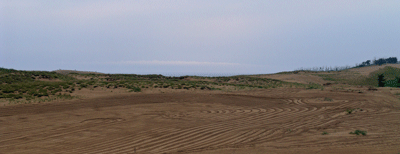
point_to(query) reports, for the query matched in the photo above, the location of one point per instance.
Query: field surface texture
(262, 121)
(291, 112)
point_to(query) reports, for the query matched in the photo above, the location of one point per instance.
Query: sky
(188, 37)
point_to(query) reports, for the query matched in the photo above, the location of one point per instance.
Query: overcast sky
(195, 36)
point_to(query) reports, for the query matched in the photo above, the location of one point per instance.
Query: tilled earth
(262, 121)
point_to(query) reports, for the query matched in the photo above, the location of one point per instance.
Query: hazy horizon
(203, 37)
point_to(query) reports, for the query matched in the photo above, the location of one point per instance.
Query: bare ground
(297, 78)
(261, 121)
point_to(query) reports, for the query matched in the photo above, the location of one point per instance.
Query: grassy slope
(390, 74)
(31, 85)
(358, 77)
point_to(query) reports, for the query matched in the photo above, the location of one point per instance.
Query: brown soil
(261, 121)
(299, 78)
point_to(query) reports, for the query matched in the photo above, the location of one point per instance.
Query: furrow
(213, 127)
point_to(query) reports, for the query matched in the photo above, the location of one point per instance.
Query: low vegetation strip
(31, 85)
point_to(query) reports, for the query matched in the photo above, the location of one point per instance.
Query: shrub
(8, 90)
(53, 92)
(135, 89)
(23, 90)
(325, 133)
(65, 86)
(358, 132)
(349, 111)
(313, 86)
(83, 85)
(12, 96)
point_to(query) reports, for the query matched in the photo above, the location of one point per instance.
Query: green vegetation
(314, 86)
(390, 74)
(331, 77)
(328, 99)
(393, 83)
(381, 80)
(387, 76)
(380, 61)
(359, 132)
(30, 85)
(349, 111)
(325, 133)
(27, 84)
(41, 100)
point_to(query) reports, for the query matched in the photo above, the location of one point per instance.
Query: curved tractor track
(200, 123)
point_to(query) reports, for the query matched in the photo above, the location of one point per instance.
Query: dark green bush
(83, 85)
(14, 96)
(359, 132)
(8, 90)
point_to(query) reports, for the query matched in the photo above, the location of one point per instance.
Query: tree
(391, 60)
(380, 61)
(368, 62)
(398, 81)
(381, 80)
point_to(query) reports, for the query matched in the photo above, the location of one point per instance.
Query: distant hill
(75, 72)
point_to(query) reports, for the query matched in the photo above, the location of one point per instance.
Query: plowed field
(261, 121)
